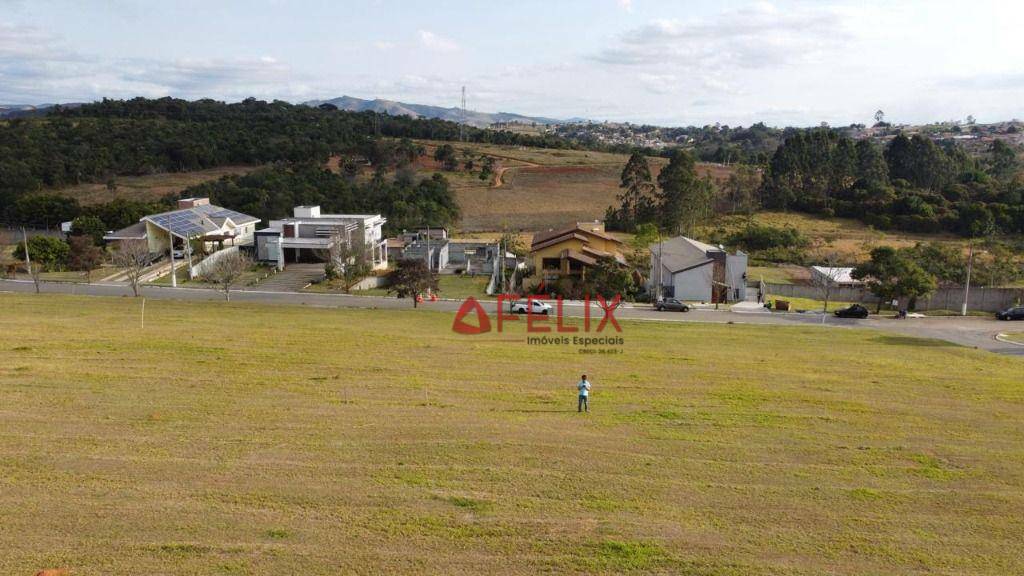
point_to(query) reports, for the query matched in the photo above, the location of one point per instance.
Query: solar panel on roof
(196, 221)
(181, 224)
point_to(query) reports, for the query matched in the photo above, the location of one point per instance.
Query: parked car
(672, 305)
(523, 306)
(1014, 313)
(854, 311)
(179, 254)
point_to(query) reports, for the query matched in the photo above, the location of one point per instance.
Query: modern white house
(309, 235)
(687, 269)
(195, 220)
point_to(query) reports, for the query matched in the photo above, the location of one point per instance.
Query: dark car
(1016, 313)
(671, 304)
(855, 311)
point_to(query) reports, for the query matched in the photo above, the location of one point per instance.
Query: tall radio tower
(462, 125)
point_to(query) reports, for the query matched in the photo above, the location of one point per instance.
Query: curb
(1005, 340)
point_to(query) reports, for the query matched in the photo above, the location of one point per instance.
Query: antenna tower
(462, 125)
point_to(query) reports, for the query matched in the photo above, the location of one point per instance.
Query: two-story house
(571, 250)
(309, 235)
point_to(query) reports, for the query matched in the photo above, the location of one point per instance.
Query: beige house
(571, 250)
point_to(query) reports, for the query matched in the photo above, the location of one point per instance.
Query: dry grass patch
(536, 198)
(149, 188)
(853, 240)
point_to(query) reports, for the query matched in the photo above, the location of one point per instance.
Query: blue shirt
(584, 388)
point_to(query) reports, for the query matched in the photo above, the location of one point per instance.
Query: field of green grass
(810, 303)
(240, 439)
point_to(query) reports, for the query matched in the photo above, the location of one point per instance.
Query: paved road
(970, 331)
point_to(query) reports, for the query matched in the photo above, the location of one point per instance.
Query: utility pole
(28, 260)
(967, 287)
(657, 287)
(170, 252)
(188, 254)
(429, 267)
(501, 266)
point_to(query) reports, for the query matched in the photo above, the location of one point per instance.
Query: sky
(673, 63)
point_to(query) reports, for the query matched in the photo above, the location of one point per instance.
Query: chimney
(307, 211)
(192, 202)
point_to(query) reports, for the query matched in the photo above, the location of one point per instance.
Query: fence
(980, 297)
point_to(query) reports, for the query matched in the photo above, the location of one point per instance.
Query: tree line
(95, 142)
(273, 191)
(912, 184)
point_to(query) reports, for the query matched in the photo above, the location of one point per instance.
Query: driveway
(293, 278)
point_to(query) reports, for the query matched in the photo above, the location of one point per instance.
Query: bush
(50, 252)
(758, 237)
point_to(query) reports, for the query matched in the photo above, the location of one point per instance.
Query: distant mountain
(473, 118)
(26, 110)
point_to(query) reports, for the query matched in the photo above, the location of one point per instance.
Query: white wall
(201, 268)
(694, 284)
(735, 269)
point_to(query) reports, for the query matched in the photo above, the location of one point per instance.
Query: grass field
(236, 439)
(779, 274)
(810, 303)
(540, 197)
(851, 239)
(542, 188)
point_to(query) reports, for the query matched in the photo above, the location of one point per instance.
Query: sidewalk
(749, 307)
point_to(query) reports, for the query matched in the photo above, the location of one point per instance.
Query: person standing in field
(583, 400)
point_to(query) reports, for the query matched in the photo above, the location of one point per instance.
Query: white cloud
(383, 45)
(36, 67)
(437, 43)
(626, 5)
(31, 43)
(755, 36)
(1007, 81)
(658, 83)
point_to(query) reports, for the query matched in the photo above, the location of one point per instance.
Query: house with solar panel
(309, 235)
(195, 220)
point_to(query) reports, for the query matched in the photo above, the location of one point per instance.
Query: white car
(523, 306)
(179, 254)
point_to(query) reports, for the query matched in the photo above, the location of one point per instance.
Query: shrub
(760, 237)
(50, 252)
